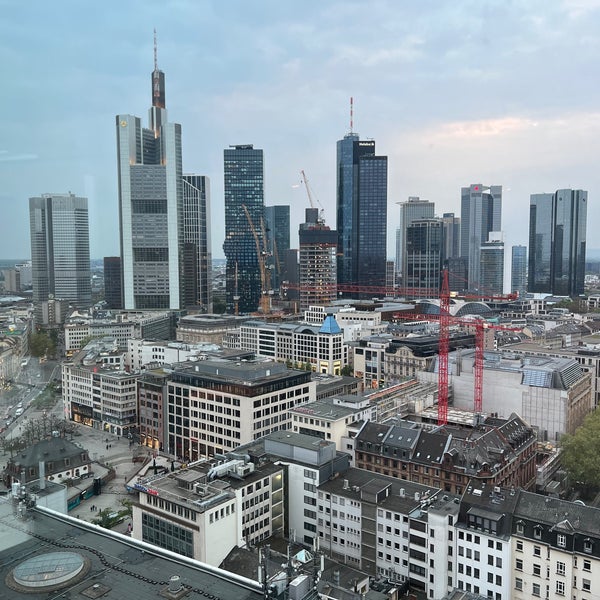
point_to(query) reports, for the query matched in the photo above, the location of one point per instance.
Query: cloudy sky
(454, 92)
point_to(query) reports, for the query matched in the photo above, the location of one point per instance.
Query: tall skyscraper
(481, 213)
(151, 206)
(197, 262)
(60, 250)
(318, 267)
(410, 211)
(277, 228)
(244, 186)
(492, 264)
(423, 254)
(451, 225)
(361, 213)
(518, 274)
(557, 239)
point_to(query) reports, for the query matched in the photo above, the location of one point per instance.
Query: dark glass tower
(197, 261)
(244, 186)
(361, 213)
(277, 228)
(557, 238)
(424, 253)
(112, 282)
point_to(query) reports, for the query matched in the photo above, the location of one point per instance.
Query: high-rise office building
(197, 261)
(318, 266)
(60, 250)
(481, 213)
(277, 229)
(451, 225)
(557, 238)
(410, 211)
(244, 187)
(151, 206)
(518, 274)
(112, 282)
(423, 254)
(361, 213)
(492, 264)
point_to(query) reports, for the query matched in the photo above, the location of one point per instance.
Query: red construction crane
(445, 318)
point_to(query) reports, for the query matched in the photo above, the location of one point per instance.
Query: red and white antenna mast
(351, 114)
(155, 52)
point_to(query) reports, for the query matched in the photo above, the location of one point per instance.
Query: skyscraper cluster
(165, 234)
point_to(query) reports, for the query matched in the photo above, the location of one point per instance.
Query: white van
(19, 412)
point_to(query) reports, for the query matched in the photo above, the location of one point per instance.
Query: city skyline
(288, 92)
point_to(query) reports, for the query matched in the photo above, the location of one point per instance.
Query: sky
(454, 92)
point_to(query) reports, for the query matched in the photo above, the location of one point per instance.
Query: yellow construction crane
(265, 279)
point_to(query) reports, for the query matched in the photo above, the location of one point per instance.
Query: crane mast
(265, 302)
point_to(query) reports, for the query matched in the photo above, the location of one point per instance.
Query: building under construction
(318, 268)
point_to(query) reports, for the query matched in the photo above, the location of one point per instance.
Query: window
(518, 584)
(519, 546)
(519, 564)
(561, 540)
(537, 570)
(560, 588)
(537, 532)
(587, 545)
(535, 589)
(537, 551)
(560, 568)
(520, 527)
(587, 565)
(586, 585)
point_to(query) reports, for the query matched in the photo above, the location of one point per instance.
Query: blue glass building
(557, 239)
(361, 213)
(244, 186)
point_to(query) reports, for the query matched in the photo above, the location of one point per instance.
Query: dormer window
(561, 540)
(520, 527)
(537, 532)
(588, 545)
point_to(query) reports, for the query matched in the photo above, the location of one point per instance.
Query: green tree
(581, 453)
(40, 344)
(219, 306)
(347, 371)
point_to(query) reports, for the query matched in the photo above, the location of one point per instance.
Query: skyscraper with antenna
(361, 211)
(163, 239)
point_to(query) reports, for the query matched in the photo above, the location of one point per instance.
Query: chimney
(42, 472)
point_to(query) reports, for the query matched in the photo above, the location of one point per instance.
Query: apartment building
(499, 451)
(388, 528)
(556, 549)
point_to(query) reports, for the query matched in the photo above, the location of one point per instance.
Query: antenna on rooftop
(351, 113)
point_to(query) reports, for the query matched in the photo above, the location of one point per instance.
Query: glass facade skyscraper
(424, 254)
(412, 210)
(60, 250)
(197, 261)
(244, 186)
(481, 213)
(277, 228)
(361, 213)
(557, 242)
(151, 206)
(518, 277)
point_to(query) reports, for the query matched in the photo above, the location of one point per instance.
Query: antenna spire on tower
(155, 52)
(351, 113)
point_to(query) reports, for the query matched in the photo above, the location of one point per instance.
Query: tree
(40, 344)
(581, 453)
(347, 371)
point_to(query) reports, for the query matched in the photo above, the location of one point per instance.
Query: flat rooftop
(117, 566)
